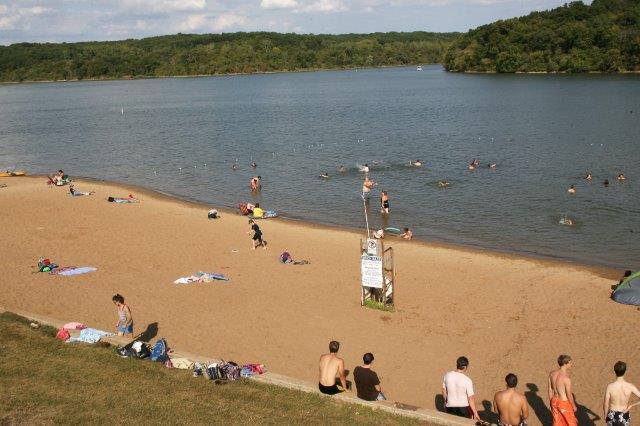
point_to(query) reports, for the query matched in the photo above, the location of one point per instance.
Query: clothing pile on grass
(87, 334)
(46, 265)
(219, 371)
(201, 277)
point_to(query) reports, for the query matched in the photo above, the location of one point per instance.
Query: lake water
(544, 133)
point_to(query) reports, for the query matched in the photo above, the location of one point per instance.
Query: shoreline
(133, 78)
(603, 271)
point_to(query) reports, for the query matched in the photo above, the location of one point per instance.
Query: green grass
(378, 305)
(45, 381)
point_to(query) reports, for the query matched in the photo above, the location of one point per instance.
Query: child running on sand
(257, 235)
(125, 320)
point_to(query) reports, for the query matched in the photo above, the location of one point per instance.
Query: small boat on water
(419, 68)
(9, 173)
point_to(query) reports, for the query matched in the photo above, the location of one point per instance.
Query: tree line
(574, 38)
(211, 54)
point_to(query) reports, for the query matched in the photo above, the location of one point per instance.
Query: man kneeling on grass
(330, 366)
(367, 381)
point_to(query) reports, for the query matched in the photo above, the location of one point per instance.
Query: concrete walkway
(431, 417)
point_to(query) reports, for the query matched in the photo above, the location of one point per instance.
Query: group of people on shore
(509, 404)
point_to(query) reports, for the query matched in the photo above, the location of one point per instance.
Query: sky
(83, 20)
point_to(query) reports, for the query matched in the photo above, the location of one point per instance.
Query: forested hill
(603, 36)
(184, 54)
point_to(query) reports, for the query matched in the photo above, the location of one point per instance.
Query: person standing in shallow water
(384, 202)
(124, 325)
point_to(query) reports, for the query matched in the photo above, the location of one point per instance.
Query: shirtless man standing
(510, 404)
(563, 407)
(330, 366)
(616, 398)
(367, 185)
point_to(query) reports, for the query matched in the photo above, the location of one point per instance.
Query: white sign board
(372, 246)
(371, 271)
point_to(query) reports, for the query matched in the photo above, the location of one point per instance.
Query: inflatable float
(7, 173)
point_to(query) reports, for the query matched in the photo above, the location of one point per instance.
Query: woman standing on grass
(125, 320)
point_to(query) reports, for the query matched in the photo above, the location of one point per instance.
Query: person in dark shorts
(617, 397)
(331, 365)
(257, 235)
(457, 390)
(367, 381)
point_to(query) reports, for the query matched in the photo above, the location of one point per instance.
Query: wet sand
(506, 313)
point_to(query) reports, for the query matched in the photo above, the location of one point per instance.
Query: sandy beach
(506, 313)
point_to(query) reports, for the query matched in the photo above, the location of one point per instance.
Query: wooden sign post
(377, 273)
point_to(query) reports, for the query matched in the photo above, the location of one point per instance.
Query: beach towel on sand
(73, 270)
(90, 335)
(201, 277)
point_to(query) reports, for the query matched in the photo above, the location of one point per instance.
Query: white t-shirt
(459, 389)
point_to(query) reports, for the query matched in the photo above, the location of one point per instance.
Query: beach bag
(159, 352)
(286, 257)
(141, 350)
(230, 371)
(63, 334)
(213, 372)
(125, 352)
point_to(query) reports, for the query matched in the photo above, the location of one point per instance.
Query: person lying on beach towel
(201, 277)
(74, 193)
(129, 199)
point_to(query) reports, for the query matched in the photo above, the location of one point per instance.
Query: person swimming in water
(342, 169)
(384, 202)
(588, 176)
(416, 163)
(606, 182)
(567, 221)
(234, 167)
(324, 176)
(443, 183)
(472, 165)
(572, 189)
(492, 165)
(621, 177)
(253, 164)
(365, 168)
